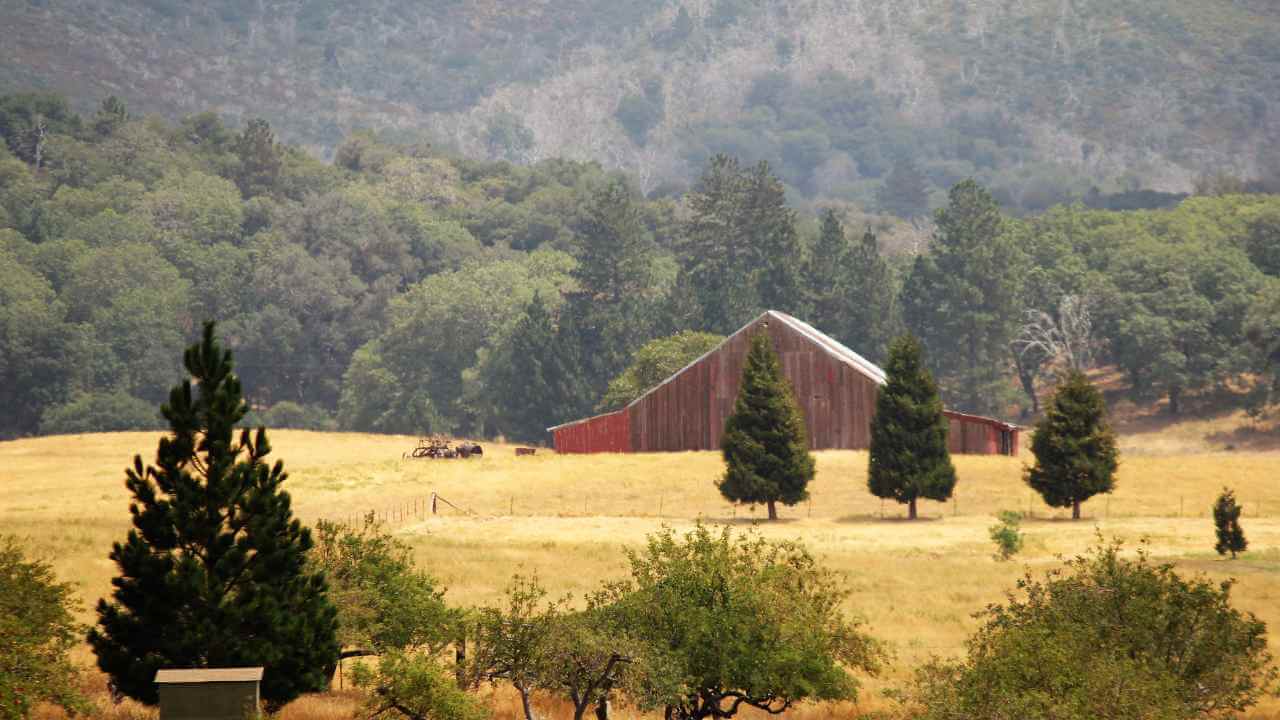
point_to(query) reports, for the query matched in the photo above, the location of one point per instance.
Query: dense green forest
(1040, 100)
(405, 288)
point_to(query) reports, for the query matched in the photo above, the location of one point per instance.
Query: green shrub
(1006, 534)
(109, 411)
(1106, 636)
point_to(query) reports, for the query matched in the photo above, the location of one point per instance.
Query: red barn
(834, 386)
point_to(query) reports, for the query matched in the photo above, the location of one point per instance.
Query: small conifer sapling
(1226, 520)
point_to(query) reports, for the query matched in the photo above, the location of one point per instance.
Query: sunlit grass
(568, 518)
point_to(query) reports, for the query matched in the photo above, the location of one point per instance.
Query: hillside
(1039, 99)
(568, 519)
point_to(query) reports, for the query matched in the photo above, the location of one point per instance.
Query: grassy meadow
(568, 518)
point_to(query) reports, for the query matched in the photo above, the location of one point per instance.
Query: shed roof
(208, 675)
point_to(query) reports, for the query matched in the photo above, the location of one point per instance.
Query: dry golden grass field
(567, 518)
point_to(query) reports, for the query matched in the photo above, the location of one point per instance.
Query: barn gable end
(834, 386)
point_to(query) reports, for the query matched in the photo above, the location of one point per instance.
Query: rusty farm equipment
(437, 447)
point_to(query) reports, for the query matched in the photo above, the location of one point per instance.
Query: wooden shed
(835, 387)
(209, 693)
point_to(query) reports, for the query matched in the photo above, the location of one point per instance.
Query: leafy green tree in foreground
(384, 603)
(36, 633)
(1105, 637)
(1226, 521)
(735, 621)
(909, 458)
(1075, 448)
(765, 447)
(214, 571)
(415, 687)
(513, 640)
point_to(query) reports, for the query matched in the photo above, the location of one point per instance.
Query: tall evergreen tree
(261, 159)
(963, 298)
(714, 254)
(909, 459)
(537, 379)
(824, 274)
(905, 192)
(765, 446)
(111, 114)
(740, 248)
(614, 251)
(214, 573)
(870, 315)
(1226, 521)
(1075, 448)
(773, 242)
(616, 306)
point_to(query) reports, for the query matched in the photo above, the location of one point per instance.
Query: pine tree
(615, 253)
(716, 256)
(766, 450)
(867, 295)
(909, 457)
(1074, 445)
(214, 573)
(962, 300)
(261, 159)
(1226, 520)
(905, 192)
(769, 227)
(537, 379)
(111, 115)
(823, 274)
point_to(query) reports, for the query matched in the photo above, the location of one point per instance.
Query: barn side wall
(603, 433)
(970, 434)
(688, 412)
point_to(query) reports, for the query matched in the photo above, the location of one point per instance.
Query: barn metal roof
(208, 675)
(833, 347)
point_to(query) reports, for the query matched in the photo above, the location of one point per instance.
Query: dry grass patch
(568, 519)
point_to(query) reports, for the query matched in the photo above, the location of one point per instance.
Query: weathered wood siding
(688, 412)
(972, 434)
(836, 391)
(603, 433)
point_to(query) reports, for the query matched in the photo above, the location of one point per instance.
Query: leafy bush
(110, 411)
(737, 620)
(1006, 535)
(36, 633)
(288, 414)
(1106, 636)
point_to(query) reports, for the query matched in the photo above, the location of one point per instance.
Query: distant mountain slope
(1039, 98)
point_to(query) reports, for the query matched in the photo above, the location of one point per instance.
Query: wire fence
(404, 510)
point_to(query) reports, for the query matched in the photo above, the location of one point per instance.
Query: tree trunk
(1075, 510)
(911, 509)
(773, 510)
(524, 703)
(460, 661)
(1175, 404)
(602, 708)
